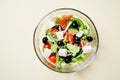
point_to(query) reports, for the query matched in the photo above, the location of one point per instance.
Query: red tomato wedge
(69, 38)
(52, 58)
(66, 38)
(53, 30)
(62, 23)
(67, 17)
(47, 45)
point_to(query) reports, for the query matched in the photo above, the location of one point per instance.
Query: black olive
(89, 38)
(68, 59)
(77, 39)
(74, 24)
(45, 40)
(60, 43)
(69, 55)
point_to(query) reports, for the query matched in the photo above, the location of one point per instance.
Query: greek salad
(67, 39)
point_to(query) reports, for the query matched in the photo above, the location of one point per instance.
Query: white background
(18, 19)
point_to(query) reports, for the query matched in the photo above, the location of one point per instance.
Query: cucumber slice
(83, 58)
(86, 32)
(79, 60)
(72, 31)
(57, 59)
(84, 37)
(73, 48)
(54, 47)
(87, 27)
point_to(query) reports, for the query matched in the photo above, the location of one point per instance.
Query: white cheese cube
(62, 52)
(60, 35)
(87, 48)
(79, 34)
(47, 52)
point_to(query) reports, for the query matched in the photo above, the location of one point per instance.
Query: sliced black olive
(77, 39)
(68, 58)
(60, 43)
(74, 24)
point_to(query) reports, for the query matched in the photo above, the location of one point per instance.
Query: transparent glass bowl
(39, 33)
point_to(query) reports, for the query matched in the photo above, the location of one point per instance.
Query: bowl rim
(34, 33)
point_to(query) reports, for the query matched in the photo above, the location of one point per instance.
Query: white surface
(18, 19)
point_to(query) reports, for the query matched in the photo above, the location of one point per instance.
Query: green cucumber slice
(73, 48)
(86, 32)
(72, 31)
(77, 60)
(82, 57)
(54, 47)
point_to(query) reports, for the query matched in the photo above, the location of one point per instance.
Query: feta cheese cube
(60, 35)
(62, 52)
(47, 52)
(79, 34)
(87, 48)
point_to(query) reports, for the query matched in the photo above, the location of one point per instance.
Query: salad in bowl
(66, 40)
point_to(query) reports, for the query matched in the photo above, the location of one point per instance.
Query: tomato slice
(66, 38)
(52, 58)
(69, 38)
(67, 17)
(47, 45)
(53, 30)
(62, 23)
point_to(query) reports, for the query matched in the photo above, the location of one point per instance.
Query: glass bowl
(40, 30)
